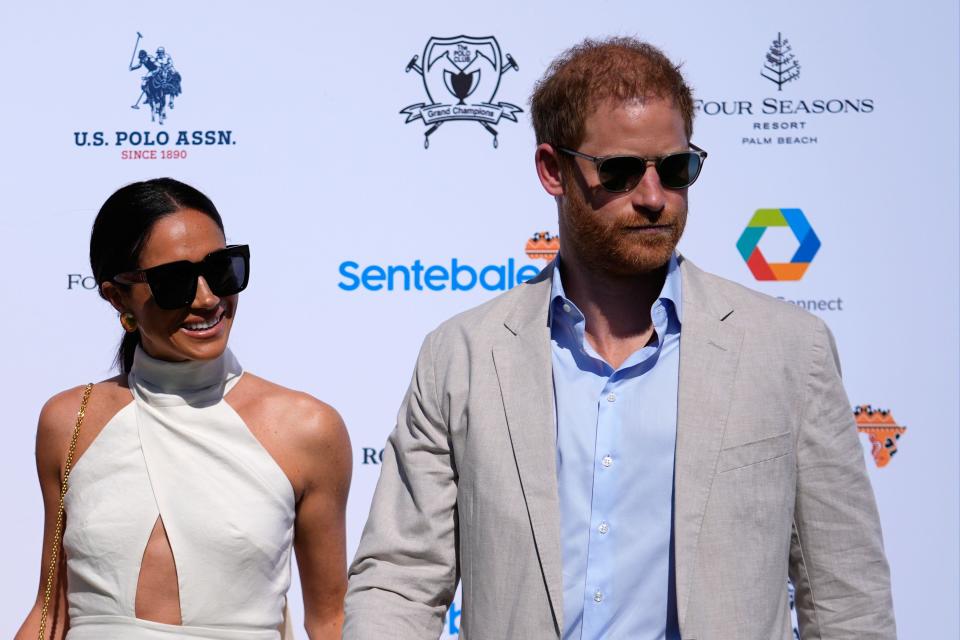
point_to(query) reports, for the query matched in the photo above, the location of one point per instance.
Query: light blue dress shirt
(616, 436)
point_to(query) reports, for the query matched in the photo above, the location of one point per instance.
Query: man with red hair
(625, 446)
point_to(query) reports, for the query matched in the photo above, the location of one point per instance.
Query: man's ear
(113, 295)
(548, 169)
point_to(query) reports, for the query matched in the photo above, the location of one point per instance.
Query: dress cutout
(179, 452)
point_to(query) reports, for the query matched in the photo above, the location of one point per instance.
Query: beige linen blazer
(769, 481)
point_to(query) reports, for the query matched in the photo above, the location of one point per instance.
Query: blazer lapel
(522, 358)
(709, 354)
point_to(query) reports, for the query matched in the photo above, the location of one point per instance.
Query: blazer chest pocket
(752, 453)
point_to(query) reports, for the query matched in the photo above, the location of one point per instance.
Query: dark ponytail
(122, 227)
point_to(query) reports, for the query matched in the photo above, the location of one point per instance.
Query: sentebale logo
(882, 431)
(461, 67)
(160, 83)
(762, 220)
(451, 275)
(782, 65)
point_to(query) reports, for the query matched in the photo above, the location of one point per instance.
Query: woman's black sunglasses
(619, 174)
(174, 285)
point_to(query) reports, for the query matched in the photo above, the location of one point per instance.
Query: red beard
(617, 244)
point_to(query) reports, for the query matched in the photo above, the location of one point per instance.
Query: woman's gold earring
(128, 321)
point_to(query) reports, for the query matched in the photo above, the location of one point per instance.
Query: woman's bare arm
(320, 533)
(54, 430)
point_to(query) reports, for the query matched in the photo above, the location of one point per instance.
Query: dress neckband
(189, 381)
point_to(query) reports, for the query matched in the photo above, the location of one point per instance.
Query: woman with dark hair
(189, 478)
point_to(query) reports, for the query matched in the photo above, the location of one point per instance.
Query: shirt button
(607, 461)
(567, 307)
(612, 397)
(659, 315)
(603, 528)
(597, 596)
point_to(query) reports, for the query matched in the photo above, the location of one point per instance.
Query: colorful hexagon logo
(761, 221)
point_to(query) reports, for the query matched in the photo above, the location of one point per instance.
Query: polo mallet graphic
(511, 64)
(134, 54)
(412, 65)
(135, 105)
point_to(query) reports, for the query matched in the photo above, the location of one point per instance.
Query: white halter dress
(181, 453)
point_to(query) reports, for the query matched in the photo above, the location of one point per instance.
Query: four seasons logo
(461, 67)
(784, 117)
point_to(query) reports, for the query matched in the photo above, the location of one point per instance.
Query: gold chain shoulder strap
(55, 551)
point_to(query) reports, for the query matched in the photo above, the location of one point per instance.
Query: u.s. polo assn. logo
(461, 67)
(154, 84)
(160, 83)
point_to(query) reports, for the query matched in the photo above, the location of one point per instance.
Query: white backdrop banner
(379, 161)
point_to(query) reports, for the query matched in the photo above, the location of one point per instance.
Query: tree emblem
(781, 66)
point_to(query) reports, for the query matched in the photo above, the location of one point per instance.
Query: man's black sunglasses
(174, 284)
(619, 174)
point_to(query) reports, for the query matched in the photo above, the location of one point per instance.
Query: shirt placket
(599, 587)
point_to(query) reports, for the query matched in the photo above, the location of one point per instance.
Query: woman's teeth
(200, 326)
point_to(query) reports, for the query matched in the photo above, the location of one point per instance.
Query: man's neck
(616, 308)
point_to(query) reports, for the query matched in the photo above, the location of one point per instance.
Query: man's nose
(649, 194)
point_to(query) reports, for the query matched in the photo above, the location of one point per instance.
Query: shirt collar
(672, 287)
(672, 291)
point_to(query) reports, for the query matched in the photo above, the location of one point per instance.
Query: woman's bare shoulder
(312, 422)
(58, 417)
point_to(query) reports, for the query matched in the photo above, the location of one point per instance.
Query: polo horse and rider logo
(161, 83)
(458, 69)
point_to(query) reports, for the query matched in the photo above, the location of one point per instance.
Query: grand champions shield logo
(461, 76)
